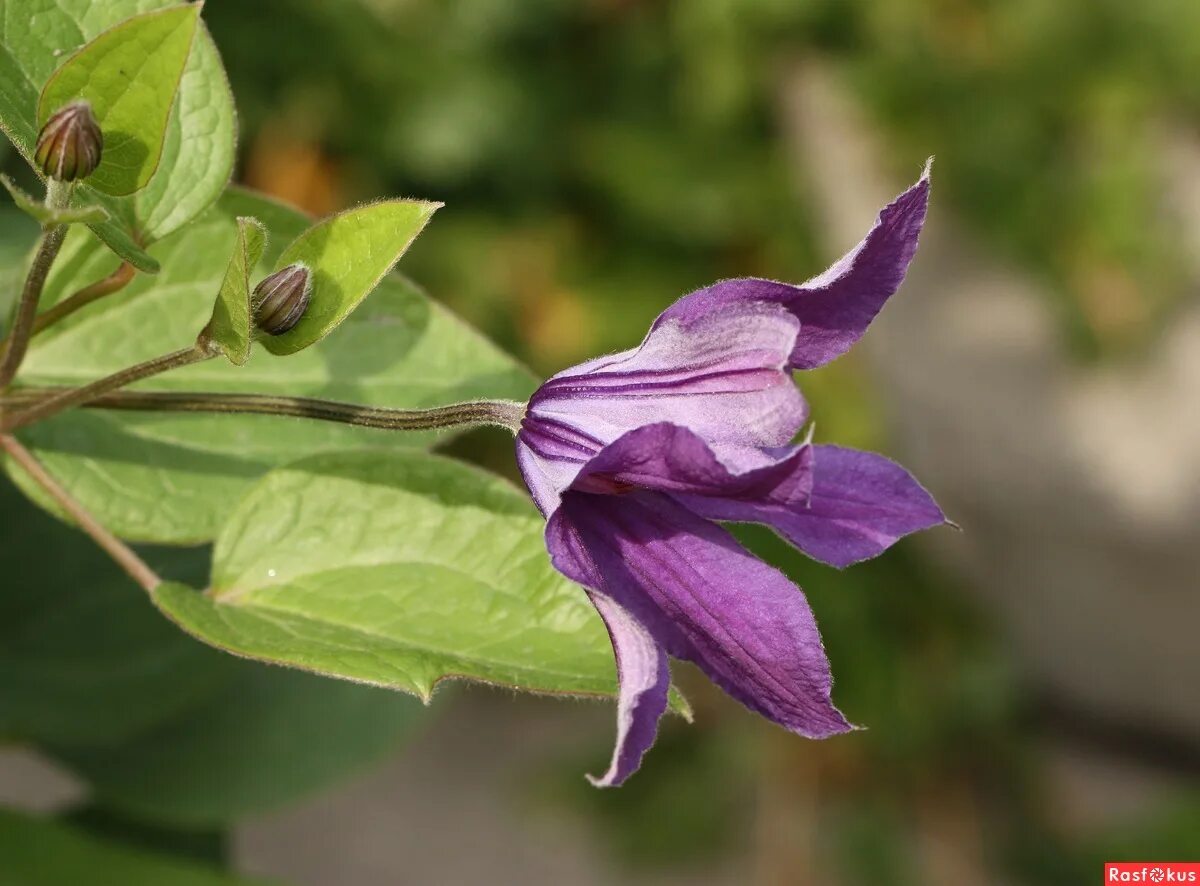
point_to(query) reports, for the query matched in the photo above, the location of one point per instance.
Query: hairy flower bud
(70, 144)
(281, 299)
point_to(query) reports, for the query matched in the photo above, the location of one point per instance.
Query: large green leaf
(400, 570)
(272, 737)
(231, 327)
(173, 478)
(347, 255)
(198, 150)
(41, 852)
(130, 74)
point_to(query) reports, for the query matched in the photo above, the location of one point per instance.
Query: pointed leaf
(196, 162)
(348, 254)
(130, 74)
(119, 239)
(231, 326)
(400, 570)
(47, 216)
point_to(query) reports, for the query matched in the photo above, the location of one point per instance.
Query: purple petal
(723, 375)
(544, 477)
(668, 458)
(861, 504)
(704, 598)
(835, 308)
(643, 676)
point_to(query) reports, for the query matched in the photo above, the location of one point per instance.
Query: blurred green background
(599, 158)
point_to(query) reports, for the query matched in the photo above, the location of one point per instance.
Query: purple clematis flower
(635, 458)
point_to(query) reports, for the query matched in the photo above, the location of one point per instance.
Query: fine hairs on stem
(71, 397)
(502, 413)
(114, 282)
(57, 196)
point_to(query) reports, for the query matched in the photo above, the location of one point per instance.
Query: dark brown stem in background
(121, 553)
(504, 413)
(72, 397)
(114, 282)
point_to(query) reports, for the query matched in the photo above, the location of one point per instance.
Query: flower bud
(70, 144)
(281, 299)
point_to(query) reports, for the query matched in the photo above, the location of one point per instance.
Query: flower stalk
(501, 413)
(73, 397)
(58, 195)
(114, 282)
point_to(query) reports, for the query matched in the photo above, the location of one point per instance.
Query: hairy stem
(73, 397)
(57, 196)
(505, 413)
(114, 282)
(122, 554)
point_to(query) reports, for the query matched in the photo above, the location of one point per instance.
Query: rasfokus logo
(1152, 872)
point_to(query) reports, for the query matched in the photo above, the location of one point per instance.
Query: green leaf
(130, 74)
(41, 852)
(44, 215)
(197, 159)
(232, 326)
(398, 570)
(62, 680)
(348, 254)
(121, 242)
(208, 846)
(198, 150)
(173, 478)
(270, 739)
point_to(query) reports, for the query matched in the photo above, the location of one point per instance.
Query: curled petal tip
(602, 781)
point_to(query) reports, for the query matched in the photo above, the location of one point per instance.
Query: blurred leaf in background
(157, 725)
(39, 852)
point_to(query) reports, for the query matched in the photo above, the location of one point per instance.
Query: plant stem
(124, 556)
(72, 397)
(504, 413)
(57, 196)
(114, 282)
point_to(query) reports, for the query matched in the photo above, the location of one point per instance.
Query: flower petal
(834, 308)
(861, 504)
(668, 458)
(544, 476)
(643, 675)
(724, 375)
(704, 598)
